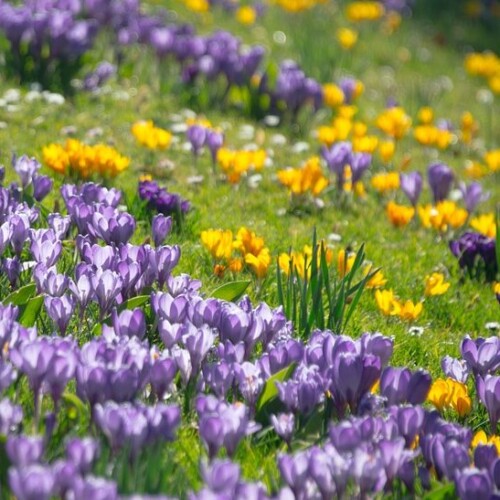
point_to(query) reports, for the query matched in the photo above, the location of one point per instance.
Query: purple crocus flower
(60, 224)
(284, 425)
(42, 185)
(107, 285)
(162, 375)
(60, 309)
(440, 178)
(129, 323)
(214, 141)
(489, 394)
(411, 185)
(82, 453)
(337, 158)
(473, 483)
(97, 488)
(360, 162)
(161, 227)
(456, 369)
(10, 416)
(34, 482)
(45, 247)
(400, 385)
(197, 136)
(472, 194)
(294, 471)
(481, 355)
(26, 168)
(24, 450)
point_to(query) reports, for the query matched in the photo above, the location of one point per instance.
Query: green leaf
(21, 296)
(74, 401)
(270, 390)
(230, 291)
(30, 312)
(134, 302)
(441, 492)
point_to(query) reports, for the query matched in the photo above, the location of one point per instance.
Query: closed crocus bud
(440, 178)
(129, 323)
(472, 194)
(284, 425)
(42, 186)
(161, 228)
(107, 285)
(60, 224)
(473, 483)
(60, 310)
(198, 343)
(197, 136)
(96, 488)
(26, 168)
(294, 471)
(215, 140)
(10, 416)
(4, 236)
(82, 453)
(456, 369)
(12, 268)
(489, 394)
(411, 185)
(162, 375)
(24, 450)
(19, 232)
(221, 476)
(34, 482)
(45, 247)
(485, 456)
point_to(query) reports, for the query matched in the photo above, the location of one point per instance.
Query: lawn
(409, 68)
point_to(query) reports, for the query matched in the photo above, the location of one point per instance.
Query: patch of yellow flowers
(394, 122)
(485, 65)
(250, 251)
(236, 163)
(442, 216)
(298, 5)
(364, 11)
(81, 160)
(449, 394)
(150, 136)
(390, 305)
(306, 179)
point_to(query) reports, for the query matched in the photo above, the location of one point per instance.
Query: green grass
(412, 65)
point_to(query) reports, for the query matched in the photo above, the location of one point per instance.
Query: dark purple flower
(473, 483)
(214, 141)
(440, 178)
(42, 185)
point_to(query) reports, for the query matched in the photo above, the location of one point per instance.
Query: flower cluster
(390, 305)
(80, 160)
(159, 199)
(306, 179)
(476, 254)
(236, 163)
(150, 136)
(485, 65)
(250, 248)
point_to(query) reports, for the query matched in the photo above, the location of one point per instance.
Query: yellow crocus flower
(485, 224)
(435, 285)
